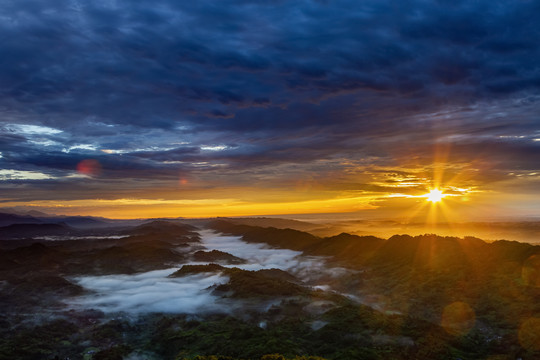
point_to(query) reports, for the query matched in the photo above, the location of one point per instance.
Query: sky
(131, 109)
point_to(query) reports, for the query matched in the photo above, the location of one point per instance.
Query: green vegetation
(216, 255)
(264, 357)
(245, 284)
(39, 342)
(350, 331)
(421, 275)
(422, 297)
(186, 270)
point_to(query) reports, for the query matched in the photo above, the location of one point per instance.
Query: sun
(435, 195)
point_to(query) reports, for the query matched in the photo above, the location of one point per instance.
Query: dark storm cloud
(155, 83)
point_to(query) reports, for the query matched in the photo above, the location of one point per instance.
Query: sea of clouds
(154, 291)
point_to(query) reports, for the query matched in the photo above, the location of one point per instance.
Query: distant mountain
(10, 219)
(32, 230)
(162, 226)
(279, 223)
(82, 222)
(38, 217)
(273, 222)
(352, 248)
(427, 251)
(284, 238)
(36, 213)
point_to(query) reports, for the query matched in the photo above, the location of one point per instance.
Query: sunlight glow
(434, 195)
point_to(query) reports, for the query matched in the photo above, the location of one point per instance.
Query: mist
(261, 256)
(155, 292)
(151, 291)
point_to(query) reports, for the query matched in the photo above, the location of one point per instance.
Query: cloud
(153, 291)
(140, 87)
(22, 175)
(261, 256)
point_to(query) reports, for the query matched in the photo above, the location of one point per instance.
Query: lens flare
(89, 167)
(529, 334)
(458, 318)
(530, 272)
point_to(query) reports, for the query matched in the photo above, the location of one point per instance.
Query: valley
(169, 290)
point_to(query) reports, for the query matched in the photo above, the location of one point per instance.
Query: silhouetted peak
(163, 226)
(274, 273)
(400, 237)
(217, 256)
(7, 219)
(350, 237)
(31, 230)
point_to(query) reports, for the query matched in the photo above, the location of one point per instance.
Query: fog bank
(154, 291)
